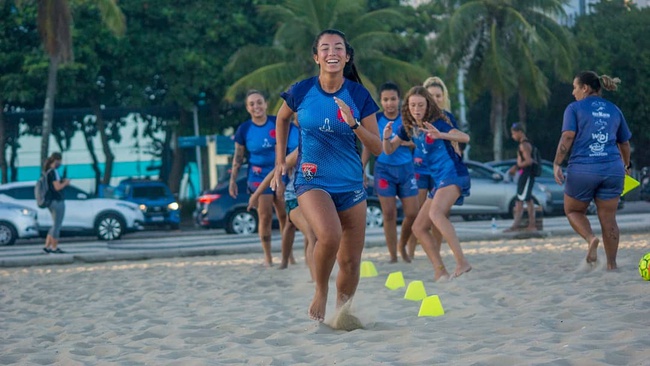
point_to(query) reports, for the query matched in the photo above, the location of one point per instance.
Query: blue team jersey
(329, 157)
(599, 126)
(438, 156)
(259, 141)
(419, 156)
(402, 155)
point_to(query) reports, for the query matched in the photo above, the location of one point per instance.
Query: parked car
(492, 194)
(216, 209)
(154, 198)
(16, 222)
(105, 217)
(547, 181)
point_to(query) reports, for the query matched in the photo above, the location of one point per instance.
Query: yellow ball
(644, 267)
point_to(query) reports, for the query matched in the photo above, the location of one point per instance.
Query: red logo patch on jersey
(417, 161)
(383, 183)
(417, 176)
(309, 170)
(339, 115)
(256, 184)
(429, 140)
(272, 133)
(257, 170)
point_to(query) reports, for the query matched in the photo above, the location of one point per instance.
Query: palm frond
(269, 79)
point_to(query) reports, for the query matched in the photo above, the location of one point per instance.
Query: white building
(581, 7)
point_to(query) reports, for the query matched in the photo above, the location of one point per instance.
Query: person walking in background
(295, 217)
(526, 181)
(56, 184)
(595, 139)
(257, 136)
(334, 112)
(394, 176)
(438, 143)
(438, 90)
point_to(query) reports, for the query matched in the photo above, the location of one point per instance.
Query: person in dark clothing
(526, 179)
(56, 184)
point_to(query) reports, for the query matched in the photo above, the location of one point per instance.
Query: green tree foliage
(372, 33)
(507, 41)
(614, 40)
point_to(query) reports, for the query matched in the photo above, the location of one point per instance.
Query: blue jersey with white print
(329, 157)
(419, 159)
(402, 155)
(599, 126)
(438, 156)
(260, 144)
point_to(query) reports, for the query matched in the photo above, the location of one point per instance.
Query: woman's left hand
(346, 112)
(558, 174)
(432, 131)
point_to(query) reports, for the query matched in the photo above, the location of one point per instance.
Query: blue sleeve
(401, 133)
(452, 119)
(369, 106)
(443, 126)
(623, 134)
(242, 131)
(570, 121)
(296, 92)
(294, 138)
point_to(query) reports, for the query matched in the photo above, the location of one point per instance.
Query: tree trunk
(91, 149)
(3, 144)
(178, 165)
(496, 117)
(48, 109)
(521, 109)
(14, 156)
(109, 158)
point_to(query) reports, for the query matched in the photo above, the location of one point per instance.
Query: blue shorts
(425, 181)
(585, 186)
(462, 182)
(342, 201)
(290, 205)
(395, 180)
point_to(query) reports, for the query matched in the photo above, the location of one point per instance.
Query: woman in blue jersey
(438, 142)
(257, 136)
(438, 90)
(394, 176)
(334, 111)
(595, 138)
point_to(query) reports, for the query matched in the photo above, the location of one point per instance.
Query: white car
(16, 222)
(105, 217)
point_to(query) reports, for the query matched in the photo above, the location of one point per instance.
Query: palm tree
(272, 69)
(55, 25)
(509, 40)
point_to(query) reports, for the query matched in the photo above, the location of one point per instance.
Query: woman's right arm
(563, 148)
(283, 118)
(237, 161)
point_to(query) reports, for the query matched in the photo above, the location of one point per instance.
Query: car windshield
(150, 192)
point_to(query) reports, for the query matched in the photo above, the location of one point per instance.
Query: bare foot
(592, 252)
(440, 274)
(292, 260)
(511, 229)
(283, 265)
(393, 260)
(317, 307)
(611, 266)
(534, 228)
(462, 269)
(405, 257)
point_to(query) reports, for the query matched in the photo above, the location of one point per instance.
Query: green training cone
(395, 280)
(368, 269)
(431, 306)
(415, 291)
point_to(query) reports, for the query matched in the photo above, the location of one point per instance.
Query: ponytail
(596, 82)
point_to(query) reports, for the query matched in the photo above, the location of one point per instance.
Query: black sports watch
(356, 124)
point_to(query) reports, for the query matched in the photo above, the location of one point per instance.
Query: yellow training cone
(629, 184)
(368, 269)
(415, 291)
(395, 280)
(431, 306)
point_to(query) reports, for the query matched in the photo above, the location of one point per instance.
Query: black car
(217, 209)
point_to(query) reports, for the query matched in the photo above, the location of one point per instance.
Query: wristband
(356, 124)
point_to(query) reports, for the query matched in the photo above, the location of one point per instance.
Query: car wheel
(8, 234)
(242, 222)
(374, 215)
(109, 227)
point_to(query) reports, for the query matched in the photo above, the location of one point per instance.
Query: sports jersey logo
(417, 161)
(428, 139)
(266, 143)
(339, 115)
(417, 176)
(383, 183)
(326, 126)
(309, 171)
(256, 184)
(257, 170)
(272, 133)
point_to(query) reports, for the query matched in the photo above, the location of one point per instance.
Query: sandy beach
(529, 302)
